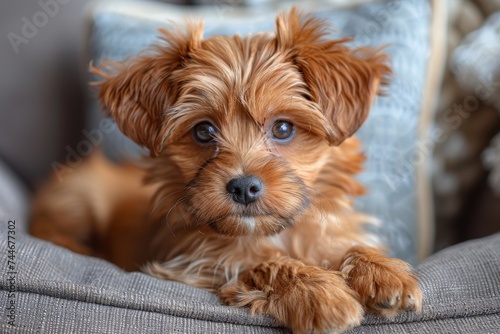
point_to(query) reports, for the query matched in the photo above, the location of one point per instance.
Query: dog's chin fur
(300, 242)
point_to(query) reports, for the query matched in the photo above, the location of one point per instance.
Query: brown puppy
(252, 173)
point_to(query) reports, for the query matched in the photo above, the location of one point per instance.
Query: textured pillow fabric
(391, 132)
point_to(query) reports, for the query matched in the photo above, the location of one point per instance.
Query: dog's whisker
(167, 216)
(321, 210)
(159, 203)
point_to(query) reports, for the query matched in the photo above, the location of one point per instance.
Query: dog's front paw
(306, 299)
(385, 285)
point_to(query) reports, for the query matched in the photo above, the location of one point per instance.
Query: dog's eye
(204, 132)
(283, 130)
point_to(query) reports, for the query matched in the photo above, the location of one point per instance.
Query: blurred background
(44, 93)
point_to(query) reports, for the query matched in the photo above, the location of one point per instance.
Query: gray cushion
(461, 287)
(57, 291)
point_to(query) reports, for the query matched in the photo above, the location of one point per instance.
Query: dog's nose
(245, 189)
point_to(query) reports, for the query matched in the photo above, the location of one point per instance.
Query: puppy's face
(246, 121)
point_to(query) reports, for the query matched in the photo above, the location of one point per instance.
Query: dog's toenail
(385, 305)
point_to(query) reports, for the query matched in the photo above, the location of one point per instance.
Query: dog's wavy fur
(300, 253)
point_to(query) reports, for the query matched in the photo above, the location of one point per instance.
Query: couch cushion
(53, 290)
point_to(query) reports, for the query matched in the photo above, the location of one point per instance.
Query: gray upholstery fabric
(57, 291)
(461, 287)
(390, 134)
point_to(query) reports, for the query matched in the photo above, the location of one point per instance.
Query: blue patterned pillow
(390, 134)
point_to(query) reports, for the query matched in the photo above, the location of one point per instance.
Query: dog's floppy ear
(136, 94)
(343, 82)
